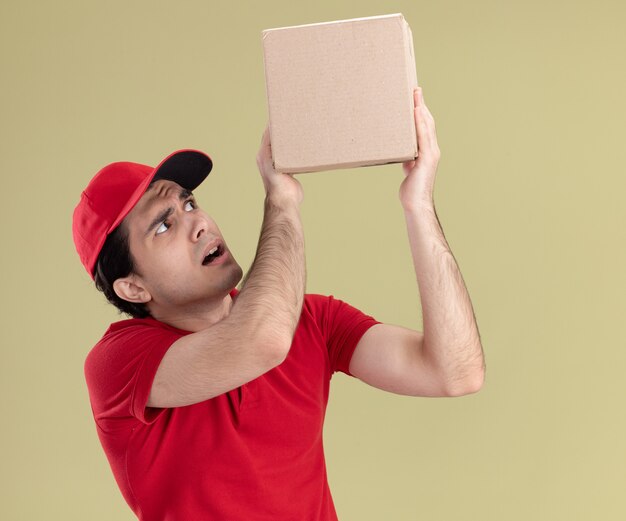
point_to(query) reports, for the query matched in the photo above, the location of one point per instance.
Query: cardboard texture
(340, 94)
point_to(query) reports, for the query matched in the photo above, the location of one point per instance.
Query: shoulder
(330, 311)
(125, 329)
(126, 338)
(314, 301)
(317, 305)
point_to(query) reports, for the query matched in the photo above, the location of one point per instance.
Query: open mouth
(213, 254)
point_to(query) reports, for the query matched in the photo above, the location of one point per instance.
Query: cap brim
(188, 168)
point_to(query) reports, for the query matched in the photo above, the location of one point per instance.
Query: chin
(238, 278)
(234, 278)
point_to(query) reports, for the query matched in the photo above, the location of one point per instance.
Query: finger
(427, 144)
(407, 166)
(424, 108)
(426, 119)
(267, 145)
(423, 131)
(266, 134)
(427, 116)
(421, 103)
(264, 156)
(416, 115)
(428, 126)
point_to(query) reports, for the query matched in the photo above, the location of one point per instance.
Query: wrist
(419, 207)
(281, 201)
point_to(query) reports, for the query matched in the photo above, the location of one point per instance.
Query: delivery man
(209, 402)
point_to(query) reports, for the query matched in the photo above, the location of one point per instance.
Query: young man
(210, 402)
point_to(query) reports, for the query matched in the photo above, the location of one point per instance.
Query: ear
(132, 289)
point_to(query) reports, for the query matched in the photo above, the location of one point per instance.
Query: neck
(195, 317)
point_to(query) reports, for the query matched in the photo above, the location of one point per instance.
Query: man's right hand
(279, 187)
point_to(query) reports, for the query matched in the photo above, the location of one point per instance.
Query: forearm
(272, 293)
(257, 334)
(452, 342)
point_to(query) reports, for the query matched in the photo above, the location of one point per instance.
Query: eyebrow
(162, 216)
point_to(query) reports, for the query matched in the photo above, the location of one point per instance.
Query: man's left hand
(416, 190)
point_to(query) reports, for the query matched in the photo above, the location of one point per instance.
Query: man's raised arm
(447, 358)
(257, 334)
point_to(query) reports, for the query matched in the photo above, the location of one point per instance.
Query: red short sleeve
(120, 370)
(342, 326)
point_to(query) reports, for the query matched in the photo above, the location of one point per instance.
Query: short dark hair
(115, 262)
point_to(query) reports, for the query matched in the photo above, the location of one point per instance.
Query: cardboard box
(340, 94)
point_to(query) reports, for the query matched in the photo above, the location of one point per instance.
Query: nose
(199, 227)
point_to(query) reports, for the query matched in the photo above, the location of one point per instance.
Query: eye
(190, 205)
(163, 227)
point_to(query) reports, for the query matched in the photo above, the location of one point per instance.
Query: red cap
(116, 189)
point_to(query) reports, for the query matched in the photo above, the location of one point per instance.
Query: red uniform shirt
(253, 453)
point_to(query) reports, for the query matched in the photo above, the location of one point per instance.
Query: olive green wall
(528, 98)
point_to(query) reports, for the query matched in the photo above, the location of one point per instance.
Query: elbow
(277, 348)
(471, 384)
(470, 387)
